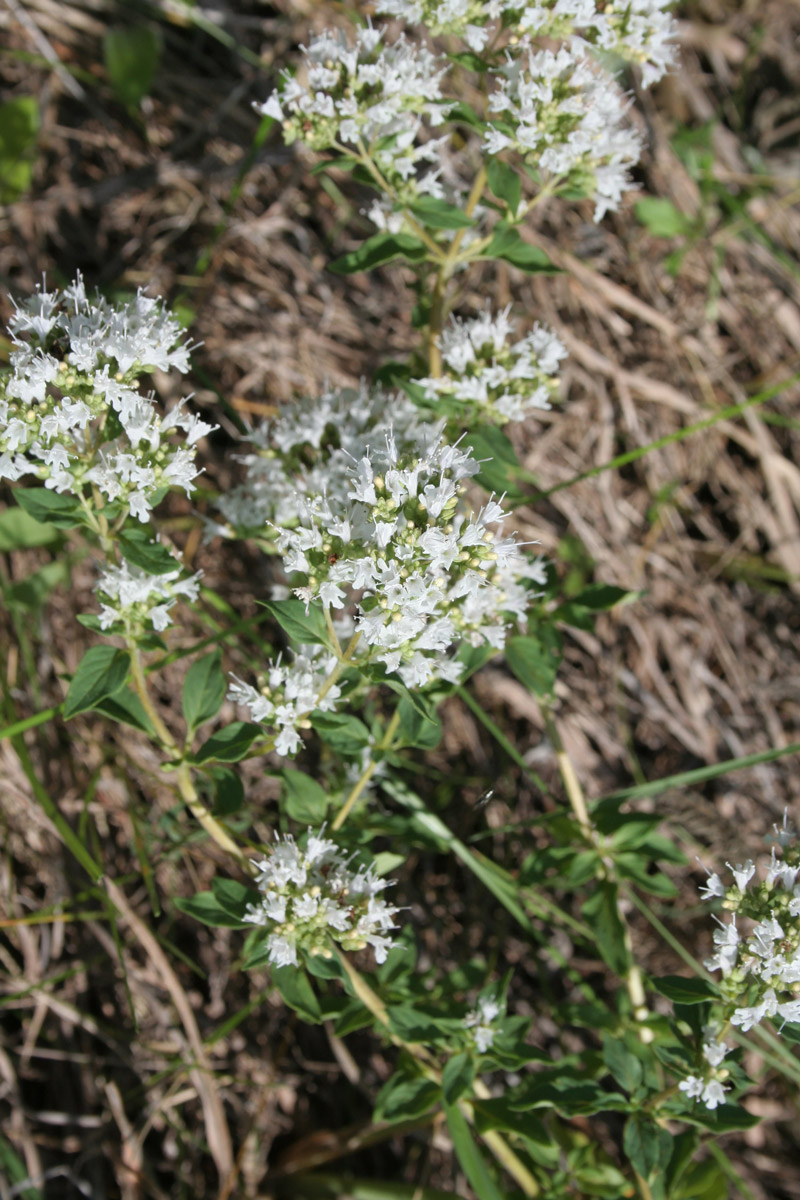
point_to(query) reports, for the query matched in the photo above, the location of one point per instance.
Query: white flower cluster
(426, 576)
(460, 18)
(763, 965)
(708, 1088)
(288, 692)
(71, 413)
(482, 1022)
(132, 600)
(312, 895)
(370, 96)
(640, 31)
(489, 378)
(310, 448)
(566, 116)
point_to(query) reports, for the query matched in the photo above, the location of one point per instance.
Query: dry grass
(705, 666)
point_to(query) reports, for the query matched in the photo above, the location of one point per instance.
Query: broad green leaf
(702, 1181)
(417, 730)
(204, 689)
(623, 1065)
(131, 56)
(19, 130)
(301, 627)
(725, 1119)
(685, 991)
(646, 1144)
(139, 547)
(500, 467)
(304, 799)
(571, 1097)
(439, 214)
(54, 508)
(229, 744)
(205, 907)
(469, 1155)
(600, 597)
(661, 217)
(498, 1114)
(296, 990)
(505, 183)
(377, 250)
(535, 659)
(126, 707)
(20, 531)
(101, 673)
(509, 246)
(602, 914)
(457, 1077)
(228, 792)
(405, 1098)
(233, 897)
(346, 734)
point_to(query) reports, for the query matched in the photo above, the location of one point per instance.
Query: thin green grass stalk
(501, 739)
(688, 778)
(724, 414)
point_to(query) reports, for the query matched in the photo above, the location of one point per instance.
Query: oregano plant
(386, 515)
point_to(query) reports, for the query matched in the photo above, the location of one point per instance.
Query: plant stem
(439, 306)
(367, 773)
(492, 1139)
(186, 786)
(633, 976)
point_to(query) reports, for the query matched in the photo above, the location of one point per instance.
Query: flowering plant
(391, 575)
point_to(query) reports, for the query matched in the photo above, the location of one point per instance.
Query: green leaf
(457, 1077)
(469, 1156)
(405, 1098)
(126, 707)
(417, 730)
(205, 907)
(101, 672)
(233, 897)
(296, 990)
(131, 56)
(11, 1165)
(600, 597)
(19, 129)
(509, 246)
(303, 628)
(535, 659)
(602, 914)
(702, 1181)
(228, 792)
(229, 744)
(62, 511)
(20, 531)
(439, 214)
(572, 1097)
(682, 990)
(623, 1065)
(661, 217)
(304, 799)
(499, 464)
(33, 591)
(646, 1144)
(204, 689)
(377, 250)
(138, 546)
(725, 1119)
(498, 1114)
(346, 734)
(505, 183)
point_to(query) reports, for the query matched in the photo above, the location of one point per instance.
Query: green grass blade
(687, 778)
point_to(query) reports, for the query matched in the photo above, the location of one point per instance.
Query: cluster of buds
(483, 1022)
(133, 601)
(312, 896)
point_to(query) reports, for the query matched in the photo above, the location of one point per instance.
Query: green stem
(492, 1139)
(633, 976)
(384, 744)
(439, 304)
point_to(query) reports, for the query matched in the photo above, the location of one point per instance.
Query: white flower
(713, 1094)
(742, 873)
(70, 410)
(311, 896)
(133, 600)
(488, 377)
(482, 1022)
